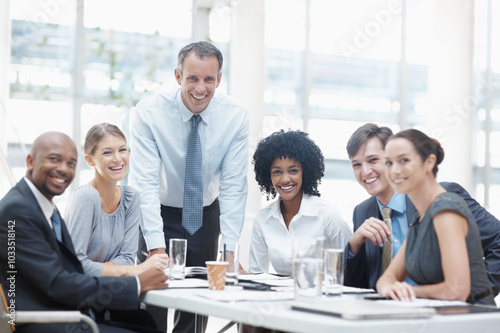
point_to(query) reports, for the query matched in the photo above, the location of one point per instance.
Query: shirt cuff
(138, 285)
(349, 254)
(156, 241)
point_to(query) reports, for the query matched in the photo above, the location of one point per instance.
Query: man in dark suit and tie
(42, 271)
(365, 248)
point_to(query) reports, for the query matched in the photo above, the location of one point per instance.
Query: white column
(78, 49)
(306, 70)
(246, 83)
(450, 87)
(6, 177)
(5, 44)
(200, 23)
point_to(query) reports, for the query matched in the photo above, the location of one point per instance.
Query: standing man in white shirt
(161, 135)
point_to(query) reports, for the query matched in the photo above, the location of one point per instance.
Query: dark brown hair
(423, 145)
(363, 134)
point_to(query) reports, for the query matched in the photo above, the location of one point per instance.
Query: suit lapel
(373, 210)
(373, 251)
(66, 238)
(30, 197)
(66, 245)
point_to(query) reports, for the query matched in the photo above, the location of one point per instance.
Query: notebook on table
(360, 309)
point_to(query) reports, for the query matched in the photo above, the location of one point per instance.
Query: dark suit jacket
(364, 269)
(46, 274)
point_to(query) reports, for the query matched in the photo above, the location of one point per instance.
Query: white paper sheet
(269, 279)
(353, 290)
(422, 302)
(262, 276)
(238, 294)
(188, 283)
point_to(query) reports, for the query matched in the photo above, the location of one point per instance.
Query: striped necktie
(192, 208)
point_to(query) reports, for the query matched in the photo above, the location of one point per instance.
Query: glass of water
(307, 267)
(230, 254)
(177, 255)
(334, 271)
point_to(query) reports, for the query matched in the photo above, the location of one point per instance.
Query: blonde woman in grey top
(103, 217)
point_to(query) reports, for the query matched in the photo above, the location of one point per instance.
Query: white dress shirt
(272, 241)
(46, 205)
(159, 136)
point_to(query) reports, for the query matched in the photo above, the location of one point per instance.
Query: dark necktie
(56, 225)
(192, 208)
(387, 252)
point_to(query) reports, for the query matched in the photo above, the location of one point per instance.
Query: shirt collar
(46, 206)
(307, 207)
(274, 210)
(186, 114)
(397, 203)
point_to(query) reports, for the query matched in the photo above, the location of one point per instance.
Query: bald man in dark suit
(46, 272)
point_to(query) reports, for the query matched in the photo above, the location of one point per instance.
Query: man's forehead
(372, 145)
(192, 60)
(369, 148)
(53, 144)
(60, 144)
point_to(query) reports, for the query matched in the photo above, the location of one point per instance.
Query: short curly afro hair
(291, 144)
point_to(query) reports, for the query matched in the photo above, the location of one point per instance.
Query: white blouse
(272, 241)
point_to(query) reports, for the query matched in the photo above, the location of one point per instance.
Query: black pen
(389, 238)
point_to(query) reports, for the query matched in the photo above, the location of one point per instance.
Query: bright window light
(170, 18)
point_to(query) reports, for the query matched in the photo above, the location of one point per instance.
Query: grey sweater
(99, 237)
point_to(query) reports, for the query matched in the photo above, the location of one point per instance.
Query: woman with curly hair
(291, 165)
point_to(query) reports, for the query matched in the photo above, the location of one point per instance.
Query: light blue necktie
(192, 208)
(56, 224)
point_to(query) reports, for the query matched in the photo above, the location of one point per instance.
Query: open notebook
(196, 270)
(360, 309)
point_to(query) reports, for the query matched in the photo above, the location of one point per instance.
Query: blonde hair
(96, 133)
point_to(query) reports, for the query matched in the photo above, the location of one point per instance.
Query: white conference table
(272, 310)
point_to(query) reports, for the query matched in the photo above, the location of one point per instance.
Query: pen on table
(389, 238)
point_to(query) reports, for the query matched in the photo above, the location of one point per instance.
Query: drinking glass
(334, 271)
(177, 256)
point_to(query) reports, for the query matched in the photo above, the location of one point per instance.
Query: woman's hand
(159, 261)
(400, 291)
